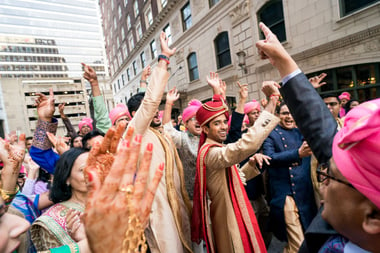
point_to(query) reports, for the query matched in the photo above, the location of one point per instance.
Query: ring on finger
(128, 190)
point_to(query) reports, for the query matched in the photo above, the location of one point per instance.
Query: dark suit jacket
(318, 126)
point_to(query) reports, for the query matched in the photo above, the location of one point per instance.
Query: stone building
(339, 37)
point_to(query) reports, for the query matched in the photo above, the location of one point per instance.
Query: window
(134, 66)
(212, 2)
(119, 58)
(123, 79)
(168, 34)
(349, 6)
(272, 15)
(112, 4)
(126, 2)
(122, 34)
(164, 3)
(148, 17)
(117, 42)
(362, 81)
(131, 43)
(125, 51)
(114, 23)
(193, 67)
(120, 14)
(153, 49)
(128, 22)
(128, 74)
(222, 50)
(118, 84)
(138, 31)
(143, 60)
(186, 16)
(136, 8)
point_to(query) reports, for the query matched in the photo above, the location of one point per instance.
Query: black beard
(154, 125)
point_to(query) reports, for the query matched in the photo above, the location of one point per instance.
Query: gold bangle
(8, 195)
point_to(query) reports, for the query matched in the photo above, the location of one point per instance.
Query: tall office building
(50, 38)
(42, 45)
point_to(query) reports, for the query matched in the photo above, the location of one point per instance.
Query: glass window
(128, 74)
(128, 22)
(123, 79)
(213, 2)
(168, 34)
(164, 3)
(125, 51)
(117, 42)
(272, 14)
(120, 14)
(131, 42)
(114, 23)
(365, 74)
(153, 49)
(122, 33)
(344, 78)
(134, 66)
(186, 16)
(143, 60)
(126, 2)
(112, 4)
(193, 66)
(118, 84)
(350, 6)
(149, 17)
(139, 31)
(222, 49)
(136, 8)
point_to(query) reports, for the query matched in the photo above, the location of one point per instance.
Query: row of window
(11, 58)
(37, 50)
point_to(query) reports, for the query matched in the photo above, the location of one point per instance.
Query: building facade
(339, 37)
(43, 43)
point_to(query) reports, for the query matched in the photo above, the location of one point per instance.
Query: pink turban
(345, 95)
(253, 105)
(246, 120)
(191, 110)
(85, 122)
(356, 149)
(161, 114)
(119, 111)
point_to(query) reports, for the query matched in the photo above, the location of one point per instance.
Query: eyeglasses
(323, 175)
(332, 104)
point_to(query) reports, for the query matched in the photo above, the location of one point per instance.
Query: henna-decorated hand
(45, 106)
(74, 226)
(114, 206)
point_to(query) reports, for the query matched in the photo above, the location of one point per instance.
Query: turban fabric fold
(253, 105)
(356, 149)
(85, 122)
(191, 109)
(119, 111)
(345, 95)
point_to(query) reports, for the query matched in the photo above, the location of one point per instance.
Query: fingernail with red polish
(90, 177)
(161, 166)
(138, 138)
(149, 147)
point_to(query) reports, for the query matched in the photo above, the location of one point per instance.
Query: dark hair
(278, 108)
(135, 101)
(29, 138)
(347, 106)
(89, 136)
(60, 191)
(330, 95)
(73, 139)
(43, 175)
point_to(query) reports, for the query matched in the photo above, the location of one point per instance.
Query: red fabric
(211, 109)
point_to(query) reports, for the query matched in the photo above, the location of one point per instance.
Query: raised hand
(45, 106)
(172, 96)
(243, 91)
(259, 159)
(270, 88)
(61, 109)
(316, 80)
(272, 49)
(118, 209)
(147, 71)
(90, 74)
(165, 50)
(59, 143)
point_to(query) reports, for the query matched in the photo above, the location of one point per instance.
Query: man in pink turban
(119, 113)
(252, 110)
(85, 126)
(350, 169)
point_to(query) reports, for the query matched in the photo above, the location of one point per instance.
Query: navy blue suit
(288, 176)
(318, 126)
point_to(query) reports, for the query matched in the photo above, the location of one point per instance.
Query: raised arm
(171, 97)
(70, 129)
(147, 71)
(312, 116)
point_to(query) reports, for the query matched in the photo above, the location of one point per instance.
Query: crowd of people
(297, 166)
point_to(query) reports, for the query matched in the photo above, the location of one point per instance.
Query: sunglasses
(323, 174)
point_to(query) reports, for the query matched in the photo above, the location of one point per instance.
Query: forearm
(95, 88)
(28, 188)
(40, 139)
(69, 127)
(167, 112)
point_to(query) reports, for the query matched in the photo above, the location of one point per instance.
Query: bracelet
(164, 57)
(144, 81)
(8, 196)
